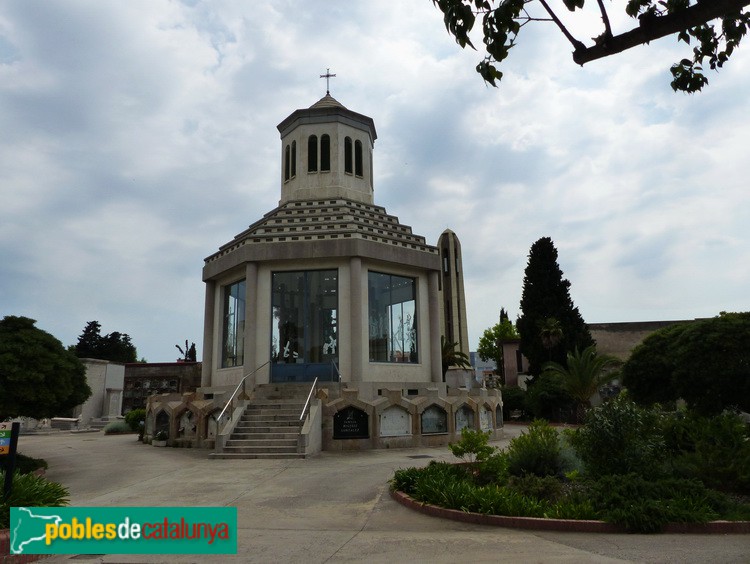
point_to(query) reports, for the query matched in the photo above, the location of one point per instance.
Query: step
(255, 456)
(269, 422)
(269, 443)
(284, 435)
(261, 449)
(269, 415)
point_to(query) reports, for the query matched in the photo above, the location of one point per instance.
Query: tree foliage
(38, 376)
(115, 346)
(491, 343)
(452, 357)
(188, 353)
(705, 362)
(715, 28)
(584, 373)
(546, 295)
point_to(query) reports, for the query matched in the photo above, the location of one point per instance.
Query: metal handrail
(309, 396)
(336, 368)
(242, 383)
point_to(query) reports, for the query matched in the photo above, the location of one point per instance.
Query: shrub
(644, 505)
(135, 418)
(117, 428)
(31, 491)
(620, 438)
(536, 451)
(27, 464)
(472, 446)
(714, 450)
(547, 399)
(514, 399)
(547, 488)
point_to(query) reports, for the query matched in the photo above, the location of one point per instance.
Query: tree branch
(605, 19)
(576, 44)
(656, 27)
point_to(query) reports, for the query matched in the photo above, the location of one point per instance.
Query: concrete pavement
(331, 508)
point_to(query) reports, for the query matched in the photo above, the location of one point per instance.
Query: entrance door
(304, 316)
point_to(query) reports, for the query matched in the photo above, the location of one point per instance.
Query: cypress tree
(550, 325)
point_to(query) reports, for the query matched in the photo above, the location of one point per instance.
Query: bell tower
(326, 152)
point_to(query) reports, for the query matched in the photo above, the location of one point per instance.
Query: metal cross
(328, 77)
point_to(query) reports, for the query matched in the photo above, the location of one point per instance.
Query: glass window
(233, 338)
(348, 155)
(392, 318)
(287, 163)
(358, 167)
(312, 153)
(294, 159)
(304, 317)
(325, 153)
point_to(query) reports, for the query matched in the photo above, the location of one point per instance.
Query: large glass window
(304, 317)
(233, 337)
(392, 304)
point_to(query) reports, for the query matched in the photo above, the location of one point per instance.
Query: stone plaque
(485, 419)
(464, 419)
(395, 422)
(434, 420)
(351, 423)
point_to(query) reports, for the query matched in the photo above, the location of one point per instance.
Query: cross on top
(328, 77)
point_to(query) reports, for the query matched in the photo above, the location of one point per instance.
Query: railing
(237, 389)
(309, 397)
(336, 368)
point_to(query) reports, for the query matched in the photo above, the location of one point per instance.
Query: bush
(27, 464)
(547, 399)
(644, 505)
(117, 428)
(620, 438)
(472, 446)
(31, 491)
(548, 488)
(514, 399)
(135, 419)
(536, 451)
(714, 450)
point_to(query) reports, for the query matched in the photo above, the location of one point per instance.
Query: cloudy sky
(137, 137)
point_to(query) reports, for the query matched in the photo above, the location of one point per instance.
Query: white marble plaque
(464, 419)
(395, 422)
(485, 419)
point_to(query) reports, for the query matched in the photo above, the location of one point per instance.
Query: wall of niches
(395, 421)
(188, 419)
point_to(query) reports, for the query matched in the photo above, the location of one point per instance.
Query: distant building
(146, 379)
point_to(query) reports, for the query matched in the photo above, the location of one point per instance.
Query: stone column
(436, 357)
(251, 323)
(356, 321)
(208, 333)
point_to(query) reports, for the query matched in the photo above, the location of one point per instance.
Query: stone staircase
(270, 426)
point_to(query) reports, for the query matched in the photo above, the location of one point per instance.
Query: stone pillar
(356, 321)
(251, 311)
(436, 357)
(208, 333)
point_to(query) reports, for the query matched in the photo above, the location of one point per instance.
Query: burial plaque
(395, 422)
(464, 419)
(351, 423)
(434, 420)
(485, 419)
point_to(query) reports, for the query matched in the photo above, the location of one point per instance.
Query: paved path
(331, 508)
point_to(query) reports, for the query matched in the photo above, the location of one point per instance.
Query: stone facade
(145, 379)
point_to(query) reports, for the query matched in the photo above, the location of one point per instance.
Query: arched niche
(499, 415)
(187, 424)
(464, 418)
(434, 420)
(161, 422)
(351, 423)
(395, 421)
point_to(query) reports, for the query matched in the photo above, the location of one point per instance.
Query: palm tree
(551, 333)
(584, 374)
(452, 357)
